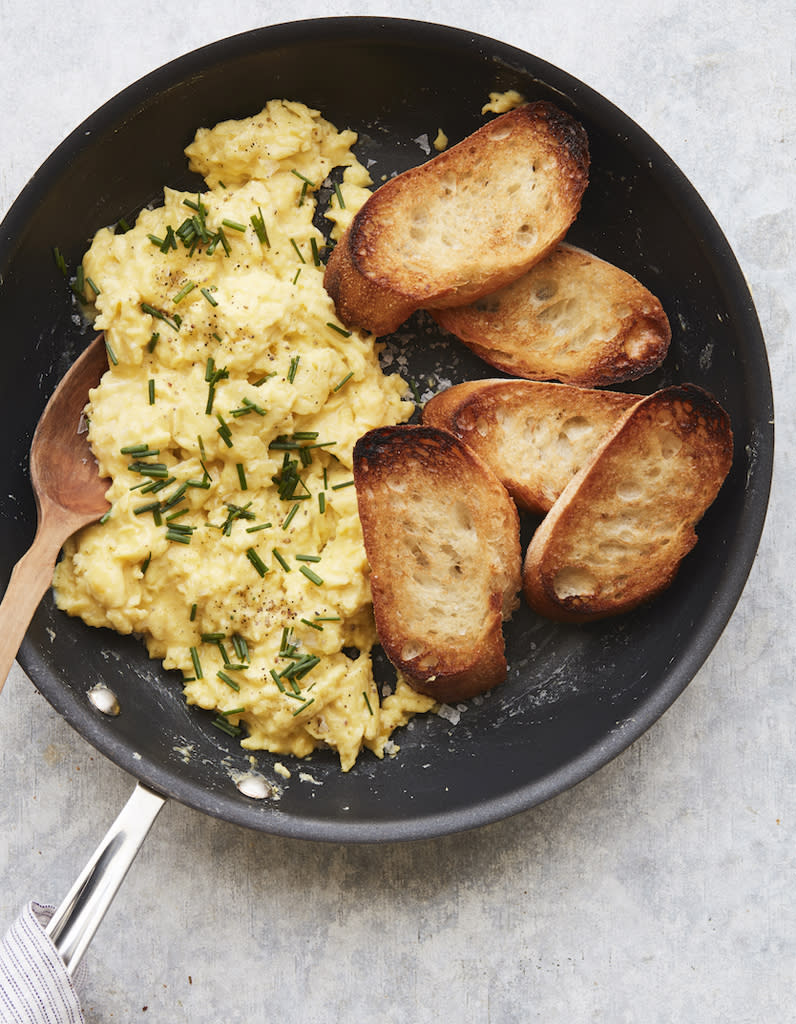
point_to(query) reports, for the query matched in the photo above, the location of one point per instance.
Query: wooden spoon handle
(29, 581)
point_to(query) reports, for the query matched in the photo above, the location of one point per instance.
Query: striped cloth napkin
(35, 987)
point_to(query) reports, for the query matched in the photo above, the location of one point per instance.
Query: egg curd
(226, 423)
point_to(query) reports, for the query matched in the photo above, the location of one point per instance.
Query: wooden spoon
(69, 494)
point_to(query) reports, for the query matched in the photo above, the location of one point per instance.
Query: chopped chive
(225, 726)
(111, 354)
(104, 518)
(316, 256)
(234, 224)
(178, 515)
(280, 558)
(345, 483)
(298, 251)
(139, 449)
(213, 638)
(233, 711)
(228, 680)
(142, 509)
(145, 564)
(345, 380)
(370, 709)
(208, 296)
(256, 561)
(303, 706)
(224, 431)
(313, 577)
(291, 374)
(315, 625)
(339, 195)
(298, 272)
(256, 529)
(321, 502)
(92, 286)
(197, 665)
(151, 390)
(173, 322)
(303, 177)
(178, 536)
(241, 476)
(241, 647)
(258, 223)
(340, 330)
(186, 289)
(153, 341)
(289, 517)
(303, 195)
(60, 262)
(277, 680)
(327, 618)
(192, 616)
(307, 558)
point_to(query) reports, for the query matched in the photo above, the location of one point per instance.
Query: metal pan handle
(74, 923)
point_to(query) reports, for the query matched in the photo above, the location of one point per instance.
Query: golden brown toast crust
(464, 223)
(442, 539)
(534, 435)
(572, 317)
(619, 531)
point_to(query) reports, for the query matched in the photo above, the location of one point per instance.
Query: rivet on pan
(254, 786)
(104, 699)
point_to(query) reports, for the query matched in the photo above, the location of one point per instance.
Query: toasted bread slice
(464, 223)
(535, 435)
(618, 533)
(572, 317)
(442, 539)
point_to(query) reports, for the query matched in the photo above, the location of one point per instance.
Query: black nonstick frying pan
(575, 696)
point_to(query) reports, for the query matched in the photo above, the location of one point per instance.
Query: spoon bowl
(69, 494)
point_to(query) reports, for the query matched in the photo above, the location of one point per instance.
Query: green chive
(279, 557)
(234, 224)
(208, 296)
(345, 380)
(303, 177)
(370, 709)
(258, 224)
(145, 564)
(303, 706)
(60, 262)
(315, 625)
(313, 577)
(111, 354)
(307, 558)
(213, 638)
(291, 374)
(256, 561)
(321, 502)
(178, 536)
(289, 517)
(339, 195)
(153, 341)
(228, 680)
(192, 616)
(151, 388)
(298, 251)
(345, 483)
(256, 529)
(197, 665)
(186, 289)
(241, 476)
(340, 330)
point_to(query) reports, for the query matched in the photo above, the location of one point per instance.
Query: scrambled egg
(226, 422)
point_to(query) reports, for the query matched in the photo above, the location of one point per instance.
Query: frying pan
(575, 697)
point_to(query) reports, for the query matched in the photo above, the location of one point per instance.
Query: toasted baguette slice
(534, 435)
(573, 318)
(442, 539)
(619, 531)
(464, 223)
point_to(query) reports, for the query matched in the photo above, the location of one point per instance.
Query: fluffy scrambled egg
(226, 423)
